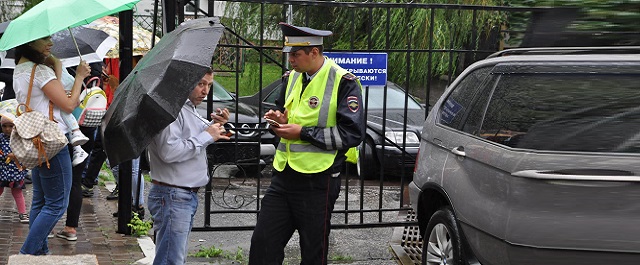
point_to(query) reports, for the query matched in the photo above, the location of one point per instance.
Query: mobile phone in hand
(272, 122)
(229, 133)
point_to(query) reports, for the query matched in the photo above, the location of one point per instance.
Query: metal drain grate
(406, 242)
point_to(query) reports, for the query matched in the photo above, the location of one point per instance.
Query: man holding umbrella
(177, 157)
(154, 108)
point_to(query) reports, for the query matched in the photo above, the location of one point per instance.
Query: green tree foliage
(618, 19)
(28, 4)
(365, 29)
(409, 28)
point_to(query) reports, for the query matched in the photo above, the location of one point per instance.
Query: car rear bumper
(414, 194)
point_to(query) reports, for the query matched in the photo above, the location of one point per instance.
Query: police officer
(320, 118)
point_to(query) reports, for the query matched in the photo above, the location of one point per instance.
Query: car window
(565, 112)
(472, 119)
(458, 105)
(219, 93)
(395, 98)
(271, 98)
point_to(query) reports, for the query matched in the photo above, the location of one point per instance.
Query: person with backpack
(34, 72)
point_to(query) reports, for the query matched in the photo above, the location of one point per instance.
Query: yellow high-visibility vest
(316, 106)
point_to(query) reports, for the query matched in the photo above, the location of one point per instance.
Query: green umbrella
(51, 16)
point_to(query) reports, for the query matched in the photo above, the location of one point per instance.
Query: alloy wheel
(440, 248)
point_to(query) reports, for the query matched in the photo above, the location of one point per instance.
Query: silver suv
(534, 158)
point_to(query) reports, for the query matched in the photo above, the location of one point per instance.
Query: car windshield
(219, 93)
(395, 98)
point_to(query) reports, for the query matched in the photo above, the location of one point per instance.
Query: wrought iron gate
(427, 47)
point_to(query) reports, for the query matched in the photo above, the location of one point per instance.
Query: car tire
(367, 164)
(442, 240)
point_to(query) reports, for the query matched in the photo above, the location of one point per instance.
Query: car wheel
(441, 243)
(367, 165)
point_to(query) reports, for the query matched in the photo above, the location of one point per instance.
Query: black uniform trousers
(96, 159)
(295, 201)
(75, 195)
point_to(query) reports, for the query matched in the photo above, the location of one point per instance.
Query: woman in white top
(51, 186)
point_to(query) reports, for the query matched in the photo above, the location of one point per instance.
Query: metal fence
(427, 45)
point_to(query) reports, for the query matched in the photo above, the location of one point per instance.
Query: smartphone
(272, 122)
(229, 133)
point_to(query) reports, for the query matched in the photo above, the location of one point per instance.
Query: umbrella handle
(74, 42)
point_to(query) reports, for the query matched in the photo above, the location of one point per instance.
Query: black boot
(113, 195)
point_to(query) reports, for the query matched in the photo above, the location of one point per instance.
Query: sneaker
(79, 156)
(86, 192)
(51, 235)
(24, 218)
(78, 138)
(113, 195)
(67, 235)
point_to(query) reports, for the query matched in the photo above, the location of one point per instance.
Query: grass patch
(248, 81)
(340, 257)
(214, 252)
(105, 175)
(147, 177)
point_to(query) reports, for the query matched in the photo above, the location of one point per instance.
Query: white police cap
(299, 37)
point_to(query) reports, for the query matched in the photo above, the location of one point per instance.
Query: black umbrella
(92, 43)
(151, 97)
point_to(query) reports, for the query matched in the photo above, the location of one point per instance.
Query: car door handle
(438, 142)
(459, 151)
(587, 175)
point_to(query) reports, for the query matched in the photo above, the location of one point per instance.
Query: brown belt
(174, 186)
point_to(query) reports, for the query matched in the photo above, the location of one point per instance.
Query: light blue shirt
(178, 154)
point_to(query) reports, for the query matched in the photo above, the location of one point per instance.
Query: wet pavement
(97, 235)
(96, 232)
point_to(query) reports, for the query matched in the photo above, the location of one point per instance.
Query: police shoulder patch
(286, 74)
(352, 102)
(349, 76)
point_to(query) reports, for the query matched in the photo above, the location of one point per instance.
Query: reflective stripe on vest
(295, 77)
(303, 148)
(301, 155)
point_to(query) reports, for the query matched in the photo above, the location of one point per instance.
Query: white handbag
(35, 139)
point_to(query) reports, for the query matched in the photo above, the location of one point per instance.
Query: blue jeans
(51, 187)
(135, 170)
(172, 210)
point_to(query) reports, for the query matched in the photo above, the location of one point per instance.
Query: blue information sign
(370, 68)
